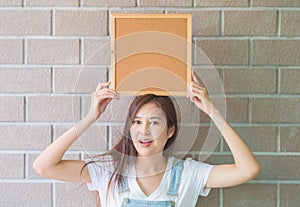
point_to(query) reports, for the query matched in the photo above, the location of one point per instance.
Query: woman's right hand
(101, 98)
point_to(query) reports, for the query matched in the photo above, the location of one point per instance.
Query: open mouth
(145, 143)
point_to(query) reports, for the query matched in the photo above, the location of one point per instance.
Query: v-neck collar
(163, 180)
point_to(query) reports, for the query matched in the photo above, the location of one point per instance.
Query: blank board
(151, 53)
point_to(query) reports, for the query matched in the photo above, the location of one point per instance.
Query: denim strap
(175, 178)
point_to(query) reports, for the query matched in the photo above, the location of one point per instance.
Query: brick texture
(25, 22)
(266, 136)
(204, 23)
(276, 52)
(287, 110)
(289, 139)
(57, 3)
(53, 51)
(157, 3)
(289, 20)
(250, 80)
(224, 3)
(11, 3)
(27, 194)
(25, 80)
(289, 81)
(237, 109)
(76, 194)
(274, 3)
(278, 167)
(53, 108)
(195, 138)
(21, 137)
(289, 195)
(93, 139)
(258, 23)
(224, 52)
(74, 79)
(11, 108)
(97, 52)
(250, 195)
(117, 3)
(14, 166)
(11, 51)
(81, 23)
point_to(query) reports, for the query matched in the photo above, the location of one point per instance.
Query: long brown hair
(124, 153)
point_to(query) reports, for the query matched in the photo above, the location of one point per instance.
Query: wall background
(254, 44)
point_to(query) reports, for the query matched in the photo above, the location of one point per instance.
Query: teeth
(145, 141)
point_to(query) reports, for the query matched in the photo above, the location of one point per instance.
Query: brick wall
(45, 47)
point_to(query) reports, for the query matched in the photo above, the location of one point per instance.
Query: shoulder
(100, 164)
(191, 163)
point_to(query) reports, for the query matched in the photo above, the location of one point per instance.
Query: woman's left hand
(200, 97)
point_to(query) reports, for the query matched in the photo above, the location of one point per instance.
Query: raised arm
(245, 165)
(50, 164)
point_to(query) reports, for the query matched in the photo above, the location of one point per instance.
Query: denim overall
(172, 191)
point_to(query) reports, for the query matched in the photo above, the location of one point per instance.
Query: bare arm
(50, 164)
(245, 165)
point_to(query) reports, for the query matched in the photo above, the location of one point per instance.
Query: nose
(145, 127)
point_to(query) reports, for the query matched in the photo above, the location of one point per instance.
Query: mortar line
(52, 80)
(250, 51)
(278, 23)
(25, 173)
(222, 20)
(250, 110)
(278, 143)
(279, 81)
(81, 52)
(53, 189)
(278, 194)
(25, 107)
(221, 197)
(53, 22)
(25, 46)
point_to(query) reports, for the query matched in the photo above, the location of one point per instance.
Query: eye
(154, 123)
(136, 122)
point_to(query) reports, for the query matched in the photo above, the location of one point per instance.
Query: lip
(145, 143)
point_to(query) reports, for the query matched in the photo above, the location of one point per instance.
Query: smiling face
(149, 130)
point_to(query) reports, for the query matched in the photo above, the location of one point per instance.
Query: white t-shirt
(193, 181)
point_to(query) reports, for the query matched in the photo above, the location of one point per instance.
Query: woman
(139, 171)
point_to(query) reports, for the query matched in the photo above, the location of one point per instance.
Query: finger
(107, 92)
(195, 79)
(105, 97)
(103, 85)
(196, 86)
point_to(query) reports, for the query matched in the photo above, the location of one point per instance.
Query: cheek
(133, 133)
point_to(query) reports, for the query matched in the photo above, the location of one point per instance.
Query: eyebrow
(152, 117)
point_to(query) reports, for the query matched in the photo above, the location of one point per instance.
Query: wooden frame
(151, 53)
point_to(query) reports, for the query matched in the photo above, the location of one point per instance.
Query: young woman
(139, 170)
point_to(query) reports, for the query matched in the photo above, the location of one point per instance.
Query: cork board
(151, 53)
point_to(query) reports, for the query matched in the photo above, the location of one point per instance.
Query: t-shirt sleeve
(94, 184)
(200, 175)
(99, 175)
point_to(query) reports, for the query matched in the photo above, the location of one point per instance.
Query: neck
(151, 165)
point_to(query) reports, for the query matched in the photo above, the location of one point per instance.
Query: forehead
(150, 110)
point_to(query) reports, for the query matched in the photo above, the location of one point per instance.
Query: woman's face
(149, 131)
